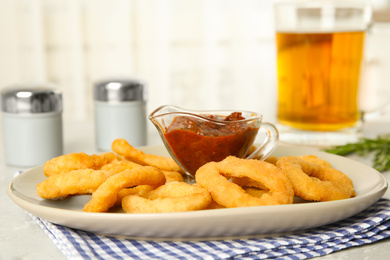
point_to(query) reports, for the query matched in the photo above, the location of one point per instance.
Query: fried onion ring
(81, 181)
(315, 159)
(255, 192)
(214, 177)
(75, 161)
(172, 176)
(107, 194)
(316, 182)
(215, 205)
(247, 182)
(271, 159)
(140, 190)
(123, 148)
(76, 182)
(171, 197)
(120, 166)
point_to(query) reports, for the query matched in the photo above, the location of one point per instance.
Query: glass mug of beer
(320, 48)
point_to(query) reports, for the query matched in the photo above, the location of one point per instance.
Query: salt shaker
(32, 124)
(120, 112)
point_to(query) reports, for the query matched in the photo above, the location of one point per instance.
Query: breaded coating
(123, 148)
(76, 182)
(107, 194)
(315, 182)
(74, 161)
(171, 197)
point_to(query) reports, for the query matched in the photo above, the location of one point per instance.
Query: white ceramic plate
(370, 186)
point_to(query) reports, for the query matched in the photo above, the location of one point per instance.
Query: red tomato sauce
(196, 142)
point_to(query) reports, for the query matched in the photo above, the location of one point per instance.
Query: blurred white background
(199, 54)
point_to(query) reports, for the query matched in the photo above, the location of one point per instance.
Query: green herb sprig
(379, 147)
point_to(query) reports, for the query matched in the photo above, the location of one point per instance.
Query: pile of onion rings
(145, 183)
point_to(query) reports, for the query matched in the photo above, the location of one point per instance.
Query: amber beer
(318, 79)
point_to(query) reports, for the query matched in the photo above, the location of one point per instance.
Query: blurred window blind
(192, 53)
(209, 54)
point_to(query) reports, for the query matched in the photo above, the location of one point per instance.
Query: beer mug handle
(380, 112)
(375, 73)
(269, 144)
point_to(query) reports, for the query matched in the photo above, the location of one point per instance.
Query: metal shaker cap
(30, 99)
(119, 90)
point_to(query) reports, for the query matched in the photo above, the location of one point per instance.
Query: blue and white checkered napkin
(366, 227)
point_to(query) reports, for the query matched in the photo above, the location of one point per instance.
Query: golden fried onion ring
(214, 177)
(77, 182)
(255, 192)
(316, 182)
(107, 194)
(123, 148)
(140, 190)
(171, 197)
(315, 159)
(80, 181)
(86, 181)
(119, 166)
(74, 161)
(172, 176)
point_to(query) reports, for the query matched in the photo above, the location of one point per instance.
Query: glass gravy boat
(194, 138)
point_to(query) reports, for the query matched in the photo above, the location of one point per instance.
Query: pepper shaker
(120, 112)
(32, 124)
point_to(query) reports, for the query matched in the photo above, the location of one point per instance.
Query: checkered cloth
(367, 227)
